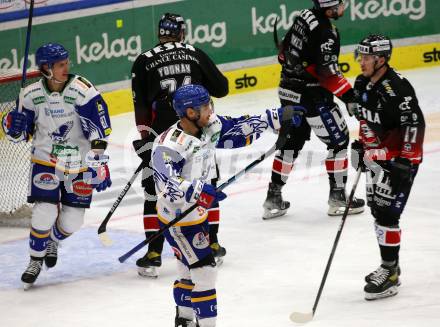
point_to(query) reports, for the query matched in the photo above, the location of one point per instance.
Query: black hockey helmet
(326, 4)
(171, 25)
(375, 44)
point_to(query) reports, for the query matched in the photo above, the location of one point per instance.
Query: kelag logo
(215, 34)
(371, 9)
(431, 56)
(245, 82)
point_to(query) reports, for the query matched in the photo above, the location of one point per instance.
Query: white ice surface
(272, 267)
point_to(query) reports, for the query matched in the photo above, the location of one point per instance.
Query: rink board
(267, 76)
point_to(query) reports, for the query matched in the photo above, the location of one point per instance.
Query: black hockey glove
(400, 173)
(357, 156)
(143, 149)
(353, 107)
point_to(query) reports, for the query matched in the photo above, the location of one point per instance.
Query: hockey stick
(26, 54)
(300, 317)
(102, 230)
(282, 138)
(275, 35)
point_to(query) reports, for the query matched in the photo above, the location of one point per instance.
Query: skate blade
(339, 211)
(274, 213)
(150, 272)
(392, 291)
(219, 261)
(27, 286)
(300, 317)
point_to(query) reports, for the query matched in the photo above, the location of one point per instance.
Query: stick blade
(105, 239)
(300, 317)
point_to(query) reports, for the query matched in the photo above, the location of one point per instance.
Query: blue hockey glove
(98, 172)
(15, 124)
(205, 195)
(294, 114)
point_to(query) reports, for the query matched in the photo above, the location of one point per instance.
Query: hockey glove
(358, 156)
(143, 149)
(400, 173)
(354, 109)
(15, 125)
(350, 100)
(294, 114)
(98, 173)
(205, 195)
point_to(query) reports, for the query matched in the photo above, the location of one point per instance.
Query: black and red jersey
(156, 75)
(309, 54)
(393, 123)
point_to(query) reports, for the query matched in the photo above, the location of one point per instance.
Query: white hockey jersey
(181, 160)
(64, 123)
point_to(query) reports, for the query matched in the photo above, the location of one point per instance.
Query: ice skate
(337, 202)
(274, 206)
(383, 283)
(219, 252)
(184, 322)
(147, 265)
(31, 273)
(51, 257)
(371, 275)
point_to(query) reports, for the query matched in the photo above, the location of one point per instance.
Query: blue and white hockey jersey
(64, 123)
(181, 160)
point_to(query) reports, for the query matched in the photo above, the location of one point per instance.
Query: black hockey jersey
(309, 54)
(392, 119)
(156, 75)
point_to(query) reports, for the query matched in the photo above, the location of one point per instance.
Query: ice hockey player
(68, 121)
(184, 163)
(311, 77)
(390, 148)
(156, 74)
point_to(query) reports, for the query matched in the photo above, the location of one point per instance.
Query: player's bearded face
(205, 112)
(367, 63)
(61, 70)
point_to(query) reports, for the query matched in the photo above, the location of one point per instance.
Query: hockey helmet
(50, 53)
(190, 96)
(171, 25)
(375, 44)
(325, 4)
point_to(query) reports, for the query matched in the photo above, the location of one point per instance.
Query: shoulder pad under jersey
(309, 18)
(82, 90)
(33, 94)
(177, 140)
(81, 83)
(387, 88)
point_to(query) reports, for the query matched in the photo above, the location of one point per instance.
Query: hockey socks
(204, 303)
(182, 296)
(383, 282)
